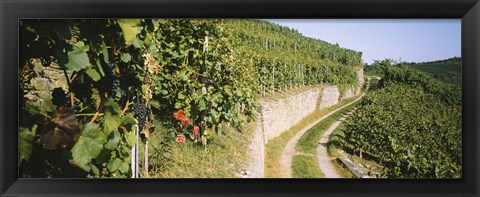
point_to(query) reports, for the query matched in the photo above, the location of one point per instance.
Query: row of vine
(411, 125)
(123, 73)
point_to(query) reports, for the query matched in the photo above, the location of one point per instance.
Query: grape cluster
(116, 84)
(131, 79)
(76, 105)
(106, 83)
(114, 88)
(140, 112)
(110, 83)
(59, 96)
(82, 88)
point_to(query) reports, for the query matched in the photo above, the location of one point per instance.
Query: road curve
(289, 150)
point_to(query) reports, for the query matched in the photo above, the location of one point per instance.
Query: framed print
(239, 98)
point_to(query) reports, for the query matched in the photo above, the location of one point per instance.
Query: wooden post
(261, 89)
(264, 87)
(285, 74)
(273, 80)
(295, 79)
(303, 74)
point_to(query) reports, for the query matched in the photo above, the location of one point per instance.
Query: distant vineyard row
(283, 58)
(411, 125)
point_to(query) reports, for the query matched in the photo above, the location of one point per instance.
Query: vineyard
(183, 97)
(183, 82)
(283, 58)
(411, 125)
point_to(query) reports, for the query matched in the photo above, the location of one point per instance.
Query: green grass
(309, 141)
(305, 169)
(275, 146)
(223, 156)
(343, 171)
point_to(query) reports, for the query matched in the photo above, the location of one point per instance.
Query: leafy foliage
(412, 125)
(282, 58)
(449, 70)
(26, 137)
(88, 146)
(207, 68)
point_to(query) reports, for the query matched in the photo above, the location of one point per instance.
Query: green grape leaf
(93, 74)
(81, 45)
(152, 48)
(95, 170)
(128, 120)
(178, 105)
(88, 146)
(137, 43)
(130, 138)
(129, 29)
(112, 107)
(111, 122)
(144, 88)
(114, 165)
(201, 105)
(106, 58)
(100, 68)
(77, 58)
(155, 104)
(25, 137)
(113, 140)
(181, 96)
(125, 167)
(126, 57)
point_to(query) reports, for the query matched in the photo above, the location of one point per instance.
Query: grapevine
(125, 72)
(411, 125)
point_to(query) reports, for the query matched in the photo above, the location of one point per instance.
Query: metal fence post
(134, 157)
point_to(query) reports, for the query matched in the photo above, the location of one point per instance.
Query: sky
(408, 40)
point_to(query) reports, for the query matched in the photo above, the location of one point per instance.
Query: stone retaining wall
(41, 81)
(330, 96)
(280, 114)
(277, 116)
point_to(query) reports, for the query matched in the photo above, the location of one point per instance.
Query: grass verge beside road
(275, 146)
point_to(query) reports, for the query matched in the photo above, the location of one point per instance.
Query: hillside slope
(449, 70)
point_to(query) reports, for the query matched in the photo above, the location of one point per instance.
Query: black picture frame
(466, 10)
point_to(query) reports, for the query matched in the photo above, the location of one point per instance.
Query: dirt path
(325, 162)
(289, 150)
